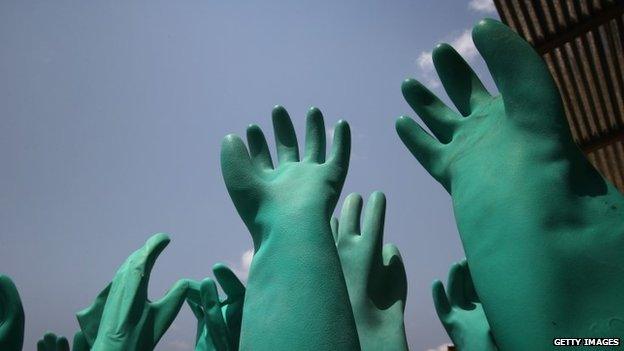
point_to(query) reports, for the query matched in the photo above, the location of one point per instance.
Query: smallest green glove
(11, 316)
(461, 312)
(218, 322)
(374, 274)
(52, 342)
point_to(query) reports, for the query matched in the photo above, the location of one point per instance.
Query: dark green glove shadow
(11, 316)
(52, 342)
(295, 270)
(461, 312)
(374, 274)
(543, 232)
(80, 342)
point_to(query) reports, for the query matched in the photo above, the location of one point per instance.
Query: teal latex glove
(232, 306)
(374, 274)
(129, 321)
(218, 322)
(296, 270)
(80, 342)
(542, 230)
(11, 316)
(52, 342)
(89, 318)
(461, 312)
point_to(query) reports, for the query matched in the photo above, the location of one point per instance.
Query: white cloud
(462, 43)
(427, 70)
(425, 61)
(246, 259)
(443, 347)
(330, 133)
(242, 268)
(484, 6)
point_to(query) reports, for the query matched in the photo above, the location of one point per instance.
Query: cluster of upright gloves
(542, 232)
(123, 318)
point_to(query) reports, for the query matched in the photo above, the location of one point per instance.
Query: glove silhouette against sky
(374, 274)
(461, 312)
(128, 321)
(52, 342)
(543, 232)
(218, 322)
(295, 270)
(11, 316)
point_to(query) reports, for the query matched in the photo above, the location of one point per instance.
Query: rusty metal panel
(582, 42)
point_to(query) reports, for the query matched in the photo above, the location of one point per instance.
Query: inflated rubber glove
(80, 342)
(543, 232)
(218, 322)
(129, 321)
(461, 312)
(11, 316)
(295, 269)
(52, 342)
(374, 274)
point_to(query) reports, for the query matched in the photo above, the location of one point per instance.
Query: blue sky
(112, 114)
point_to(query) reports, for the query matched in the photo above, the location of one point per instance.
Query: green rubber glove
(543, 232)
(52, 342)
(89, 318)
(232, 307)
(218, 322)
(129, 321)
(374, 274)
(11, 316)
(296, 295)
(80, 342)
(461, 312)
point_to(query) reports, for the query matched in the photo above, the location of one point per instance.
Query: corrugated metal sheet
(582, 42)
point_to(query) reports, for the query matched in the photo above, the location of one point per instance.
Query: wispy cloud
(464, 46)
(426, 69)
(242, 267)
(443, 347)
(330, 133)
(483, 6)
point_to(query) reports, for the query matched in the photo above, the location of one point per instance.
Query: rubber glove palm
(374, 274)
(540, 227)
